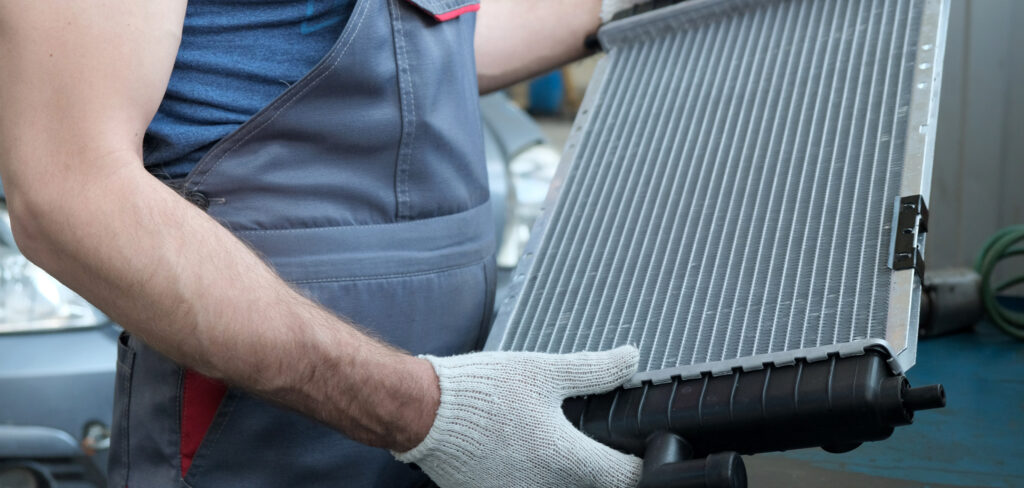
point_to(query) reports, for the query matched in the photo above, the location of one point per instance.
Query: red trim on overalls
(457, 12)
(200, 398)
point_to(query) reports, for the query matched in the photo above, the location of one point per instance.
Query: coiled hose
(1000, 247)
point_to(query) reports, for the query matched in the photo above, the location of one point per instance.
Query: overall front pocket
(441, 312)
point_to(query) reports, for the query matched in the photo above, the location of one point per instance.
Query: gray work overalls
(364, 185)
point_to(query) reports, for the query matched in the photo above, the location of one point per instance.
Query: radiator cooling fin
(727, 197)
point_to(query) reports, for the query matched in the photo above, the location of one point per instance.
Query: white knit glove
(611, 7)
(500, 422)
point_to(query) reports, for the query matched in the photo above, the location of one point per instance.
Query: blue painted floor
(977, 440)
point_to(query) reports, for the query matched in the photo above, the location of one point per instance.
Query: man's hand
(500, 422)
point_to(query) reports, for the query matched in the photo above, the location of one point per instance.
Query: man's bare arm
(517, 39)
(79, 84)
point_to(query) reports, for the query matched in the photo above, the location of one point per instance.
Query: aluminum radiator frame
(900, 338)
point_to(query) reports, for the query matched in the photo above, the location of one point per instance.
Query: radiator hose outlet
(924, 398)
(668, 464)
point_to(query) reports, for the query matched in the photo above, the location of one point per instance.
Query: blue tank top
(235, 57)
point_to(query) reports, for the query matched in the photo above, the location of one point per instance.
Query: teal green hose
(998, 248)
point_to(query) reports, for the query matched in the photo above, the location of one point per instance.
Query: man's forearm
(172, 275)
(79, 85)
(518, 39)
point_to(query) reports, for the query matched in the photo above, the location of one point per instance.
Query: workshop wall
(978, 181)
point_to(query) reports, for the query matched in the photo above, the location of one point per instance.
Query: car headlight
(529, 176)
(32, 300)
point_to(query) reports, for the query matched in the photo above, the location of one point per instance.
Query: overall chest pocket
(444, 10)
(440, 168)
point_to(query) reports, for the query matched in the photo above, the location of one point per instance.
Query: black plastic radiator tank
(691, 431)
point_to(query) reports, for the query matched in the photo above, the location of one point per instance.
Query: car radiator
(744, 198)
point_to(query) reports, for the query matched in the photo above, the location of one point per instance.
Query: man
(329, 156)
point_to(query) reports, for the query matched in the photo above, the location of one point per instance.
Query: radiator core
(727, 197)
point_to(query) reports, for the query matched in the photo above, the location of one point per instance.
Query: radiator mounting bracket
(911, 217)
